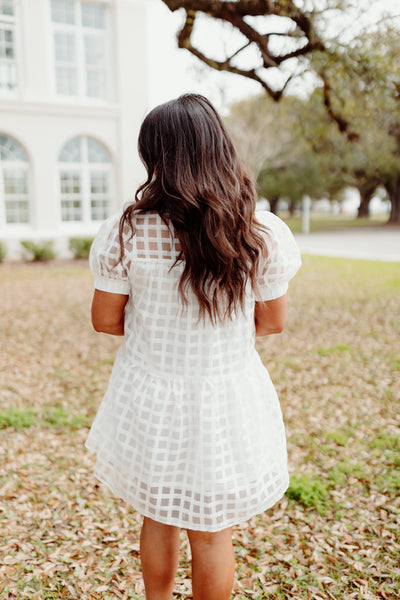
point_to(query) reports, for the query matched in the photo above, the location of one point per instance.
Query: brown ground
(336, 368)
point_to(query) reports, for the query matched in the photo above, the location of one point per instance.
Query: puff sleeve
(282, 259)
(109, 273)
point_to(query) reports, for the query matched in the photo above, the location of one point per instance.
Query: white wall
(132, 82)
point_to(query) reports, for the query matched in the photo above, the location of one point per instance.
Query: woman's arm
(108, 312)
(270, 316)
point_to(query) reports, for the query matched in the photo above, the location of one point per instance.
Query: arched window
(14, 182)
(85, 180)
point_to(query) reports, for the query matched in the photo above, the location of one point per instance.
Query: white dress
(190, 431)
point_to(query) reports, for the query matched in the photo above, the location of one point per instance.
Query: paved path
(369, 243)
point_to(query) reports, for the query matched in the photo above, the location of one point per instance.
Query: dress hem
(194, 527)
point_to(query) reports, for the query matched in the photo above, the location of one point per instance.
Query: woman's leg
(159, 555)
(213, 564)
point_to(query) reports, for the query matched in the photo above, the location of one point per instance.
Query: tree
(292, 40)
(365, 79)
(262, 130)
(303, 153)
(301, 35)
(286, 163)
(292, 182)
(283, 43)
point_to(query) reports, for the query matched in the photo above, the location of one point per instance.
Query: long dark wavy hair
(199, 186)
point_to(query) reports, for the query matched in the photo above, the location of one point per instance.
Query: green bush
(80, 247)
(3, 251)
(39, 251)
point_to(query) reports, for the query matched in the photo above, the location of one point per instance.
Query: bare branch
(238, 51)
(184, 41)
(235, 13)
(307, 49)
(254, 8)
(342, 123)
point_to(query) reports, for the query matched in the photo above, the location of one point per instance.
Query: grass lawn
(328, 222)
(335, 534)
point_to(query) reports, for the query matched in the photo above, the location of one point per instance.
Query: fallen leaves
(64, 535)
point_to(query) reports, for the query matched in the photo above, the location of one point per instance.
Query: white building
(73, 92)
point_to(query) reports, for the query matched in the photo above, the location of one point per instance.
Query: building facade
(73, 92)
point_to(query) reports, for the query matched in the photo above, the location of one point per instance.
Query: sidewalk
(369, 243)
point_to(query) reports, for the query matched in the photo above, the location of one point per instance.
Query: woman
(190, 430)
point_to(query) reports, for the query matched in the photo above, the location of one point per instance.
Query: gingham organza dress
(190, 430)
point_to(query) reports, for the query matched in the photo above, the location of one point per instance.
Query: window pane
(70, 182)
(10, 150)
(16, 194)
(66, 71)
(62, 11)
(7, 43)
(65, 47)
(93, 15)
(99, 195)
(95, 83)
(97, 153)
(95, 61)
(71, 151)
(15, 181)
(8, 76)
(71, 211)
(71, 201)
(66, 81)
(94, 50)
(7, 7)
(99, 182)
(17, 211)
(99, 209)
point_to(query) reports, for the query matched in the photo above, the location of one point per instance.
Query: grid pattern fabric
(190, 431)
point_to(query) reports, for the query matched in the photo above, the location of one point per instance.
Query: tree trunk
(292, 207)
(394, 196)
(273, 204)
(366, 194)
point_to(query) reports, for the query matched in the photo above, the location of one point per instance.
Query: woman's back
(166, 337)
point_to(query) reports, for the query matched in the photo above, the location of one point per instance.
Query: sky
(174, 71)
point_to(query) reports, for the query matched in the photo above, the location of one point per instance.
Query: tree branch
(342, 123)
(239, 50)
(253, 8)
(234, 13)
(184, 41)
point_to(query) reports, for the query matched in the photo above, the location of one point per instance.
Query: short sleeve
(282, 259)
(109, 272)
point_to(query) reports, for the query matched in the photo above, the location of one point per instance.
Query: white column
(36, 35)
(132, 82)
(306, 214)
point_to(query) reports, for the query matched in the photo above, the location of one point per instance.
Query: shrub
(80, 247)
(3, 251)
(39, 251)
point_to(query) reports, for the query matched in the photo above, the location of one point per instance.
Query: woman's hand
(108, 312)
(270, 316)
